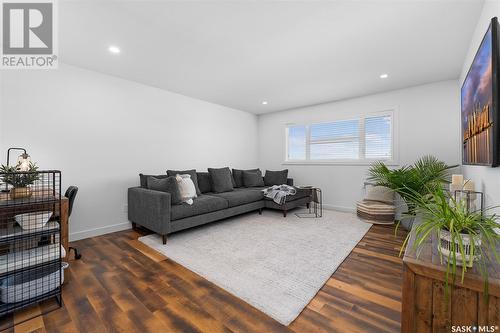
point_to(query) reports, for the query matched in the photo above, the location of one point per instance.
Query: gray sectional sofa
(154, 211)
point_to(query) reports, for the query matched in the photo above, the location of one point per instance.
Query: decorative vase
(407, 222)
(446, 250)
(20, 192)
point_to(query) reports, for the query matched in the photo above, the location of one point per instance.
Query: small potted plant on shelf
(426, 174)
(20, 180)
(464, 238)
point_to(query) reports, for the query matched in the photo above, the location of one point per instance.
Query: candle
(457, 180)
(469, 185)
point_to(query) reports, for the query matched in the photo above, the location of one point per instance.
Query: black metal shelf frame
(54, 293)
(30, 244)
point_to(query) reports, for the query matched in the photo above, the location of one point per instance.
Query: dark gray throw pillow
(238, 176)
(232, 180)
(252, 178)
(275, 177)
(192, 173)
(168, 185)
(144, 179)
(221, 180)
(204, 182)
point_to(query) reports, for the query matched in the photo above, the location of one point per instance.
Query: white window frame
(392, 112)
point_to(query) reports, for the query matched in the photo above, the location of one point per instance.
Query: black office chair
(71, 195)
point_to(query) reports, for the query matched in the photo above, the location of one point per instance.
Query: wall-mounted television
(480, 109)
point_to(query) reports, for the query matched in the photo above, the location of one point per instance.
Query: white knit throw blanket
(279, 192)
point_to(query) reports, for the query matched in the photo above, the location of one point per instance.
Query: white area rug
(276, 264)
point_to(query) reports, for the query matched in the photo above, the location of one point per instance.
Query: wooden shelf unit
(426, 307)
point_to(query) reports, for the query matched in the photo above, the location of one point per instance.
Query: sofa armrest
(150, 209)
(289, 181)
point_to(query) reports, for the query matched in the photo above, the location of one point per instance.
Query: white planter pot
(445, 248)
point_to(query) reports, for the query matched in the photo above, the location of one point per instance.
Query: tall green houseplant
(423, 176)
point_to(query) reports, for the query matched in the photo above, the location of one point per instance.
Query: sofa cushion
(201, 205)
(144, 179)
(168, 185)
(191, 172)
(186, 188)
(252, 178)
(204, 182)
(238, 176)
(222, 180)
(275, 177)
(301, 193)
(241, 196)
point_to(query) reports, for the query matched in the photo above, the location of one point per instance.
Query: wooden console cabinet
(424, 305)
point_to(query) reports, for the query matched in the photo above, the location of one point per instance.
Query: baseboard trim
(99, 231)
(127, 225)
(339, 208)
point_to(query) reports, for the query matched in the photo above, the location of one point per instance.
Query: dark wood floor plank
(120, 285)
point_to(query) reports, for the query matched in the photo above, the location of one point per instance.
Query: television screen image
(479, 128)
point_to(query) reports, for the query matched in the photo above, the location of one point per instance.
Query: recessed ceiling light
(384, 76)
(264, 102)
(114, 49)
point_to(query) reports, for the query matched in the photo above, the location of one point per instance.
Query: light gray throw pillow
(192, 173)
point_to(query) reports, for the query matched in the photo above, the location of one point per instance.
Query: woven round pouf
(376, 212)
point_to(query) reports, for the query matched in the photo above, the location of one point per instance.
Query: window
(378, 138)
(336, 140)
(364, 138)
(297, 143)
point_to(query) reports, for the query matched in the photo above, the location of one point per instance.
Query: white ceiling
(290, 53)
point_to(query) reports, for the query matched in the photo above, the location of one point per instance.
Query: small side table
(315, 209)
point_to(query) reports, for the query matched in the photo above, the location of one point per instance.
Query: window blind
(297, 142)
(364, 138)
(335, 140)
(378, 137)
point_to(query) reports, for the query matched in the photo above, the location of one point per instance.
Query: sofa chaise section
(154, 210)
(301, 198)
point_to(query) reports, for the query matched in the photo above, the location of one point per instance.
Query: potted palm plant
(20, 180)
(464, 238)
(423, 176)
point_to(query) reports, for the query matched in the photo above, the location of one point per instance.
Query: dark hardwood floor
(121, 285)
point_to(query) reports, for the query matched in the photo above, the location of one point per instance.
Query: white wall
(427, 122)
(101, 132)
(486, 179)
(1, 113)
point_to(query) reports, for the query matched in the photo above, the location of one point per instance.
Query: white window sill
(346, 163)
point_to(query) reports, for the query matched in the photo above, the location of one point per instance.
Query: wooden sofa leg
(260, 211)
(284, 213)
(134, 225)
(164, 239)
